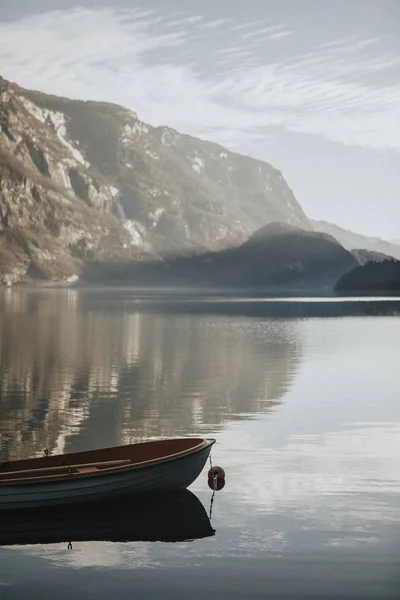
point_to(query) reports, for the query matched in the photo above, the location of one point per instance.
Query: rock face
(89, 180)
(277, 258)
(54, 211)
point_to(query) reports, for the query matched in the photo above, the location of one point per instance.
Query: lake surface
(302, 397)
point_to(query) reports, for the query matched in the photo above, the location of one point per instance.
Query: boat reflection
(163, 517)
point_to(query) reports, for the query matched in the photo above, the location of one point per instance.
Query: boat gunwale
(59, 478)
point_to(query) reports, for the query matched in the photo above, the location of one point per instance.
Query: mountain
(89, 181)
(373, 278)
(355, 241)
(277, 257)
(364, 256)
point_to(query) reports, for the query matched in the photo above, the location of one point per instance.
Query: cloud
(185, 21)
(215, 24)
(265, 32)
(172, 69)
(242, 26)
(279, 35)
(324, 478)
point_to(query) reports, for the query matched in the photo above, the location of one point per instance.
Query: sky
(311, 86)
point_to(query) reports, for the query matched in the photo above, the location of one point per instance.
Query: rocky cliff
(88, 180)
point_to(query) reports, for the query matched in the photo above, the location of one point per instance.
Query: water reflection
(83, 370)
(306, 416)
(163, 517)
(344, 483)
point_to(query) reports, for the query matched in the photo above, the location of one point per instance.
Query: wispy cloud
(215, 24)
(279, 35)
(185, 21)
(248, 25)
(165, 68)
(265, 32)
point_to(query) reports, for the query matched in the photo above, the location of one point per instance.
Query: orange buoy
(216, 473)
(216, 484)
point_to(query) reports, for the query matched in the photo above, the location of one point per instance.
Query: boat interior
(92, 461)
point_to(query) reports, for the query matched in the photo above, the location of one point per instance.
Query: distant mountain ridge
(356, 241)
(278, 257)
(89, 183)
(89, 180)
(364, 256)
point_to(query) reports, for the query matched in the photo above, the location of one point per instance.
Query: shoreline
(227, 294)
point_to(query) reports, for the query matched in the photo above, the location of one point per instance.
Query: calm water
(303, 398)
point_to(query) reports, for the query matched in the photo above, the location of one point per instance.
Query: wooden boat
(101, 474)
(159, 517)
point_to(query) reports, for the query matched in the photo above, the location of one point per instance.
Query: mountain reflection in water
(81, 370)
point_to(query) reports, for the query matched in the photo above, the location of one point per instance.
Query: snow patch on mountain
(152, 154)
(198, 164)
(156, 214)
(134, 231)
(133, 131)
(58, 122)
(169, 137)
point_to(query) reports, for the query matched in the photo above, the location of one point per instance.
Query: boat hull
(173, 473)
